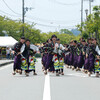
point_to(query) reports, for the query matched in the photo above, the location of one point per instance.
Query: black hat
(75, 41)
(49, 39)
(94, 39)
(23, 37)
(83, 41)
(44, 43)
(27, 40)
(89, 38)
(53, 36)
(58, 39)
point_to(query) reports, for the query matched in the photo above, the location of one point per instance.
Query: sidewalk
(5, 62)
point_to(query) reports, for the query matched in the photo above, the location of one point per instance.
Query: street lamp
(90, 1)
(82, 1)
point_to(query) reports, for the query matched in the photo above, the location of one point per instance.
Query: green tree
(66, 31)
(91, 27)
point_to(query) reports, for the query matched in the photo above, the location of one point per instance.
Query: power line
(49, 25)
(42, 20)
(39, 18)
(54, 26)
(8, 13)
(51, 21)
(10, 8)
(61, 3)
(10, 20)
(37, 23)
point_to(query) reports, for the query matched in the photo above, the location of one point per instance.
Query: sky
(49, 15)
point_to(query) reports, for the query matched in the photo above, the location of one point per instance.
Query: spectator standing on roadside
(8, 53)
(12, 54)
(0, 53)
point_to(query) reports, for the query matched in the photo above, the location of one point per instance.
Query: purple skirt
(75, 60)
(80, 61)
(86, 64)
(44, 59)
(71, 59)
(17, 62)
(91, 62)
(66, 59)
(49, 63)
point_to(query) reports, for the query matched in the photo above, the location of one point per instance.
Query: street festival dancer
(28, 59)
(80, 56)
(17, 60)
(58, 58)
(52, 58)
(48, 55)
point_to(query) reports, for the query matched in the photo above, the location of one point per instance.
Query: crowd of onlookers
(6, 52)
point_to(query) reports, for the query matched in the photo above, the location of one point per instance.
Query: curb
(6, 63)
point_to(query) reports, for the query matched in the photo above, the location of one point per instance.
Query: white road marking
(6, 66)
(46, 93)
(80, 75)
(77, 75)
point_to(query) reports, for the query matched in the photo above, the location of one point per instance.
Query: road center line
(46, 93)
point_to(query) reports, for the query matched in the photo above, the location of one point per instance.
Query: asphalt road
(72, 86)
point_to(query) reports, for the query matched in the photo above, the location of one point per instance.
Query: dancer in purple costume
(17, 59)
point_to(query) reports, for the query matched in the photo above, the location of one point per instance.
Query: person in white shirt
(58, 58)
(97, 49)
(97, 59)
(26, 51)
(59, 47)
(8, 53)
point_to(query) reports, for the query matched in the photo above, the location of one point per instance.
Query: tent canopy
(7, 41)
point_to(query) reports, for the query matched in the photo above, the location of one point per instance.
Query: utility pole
(23, 14)
(81, 14)
(90, 5)
(90, 1)
(24, 10)
(86, 11)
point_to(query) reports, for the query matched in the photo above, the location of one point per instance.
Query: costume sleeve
(14, 46)
(55, 48)
(97, 50)
(33, 47)
(62, 47)
(22, 48)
